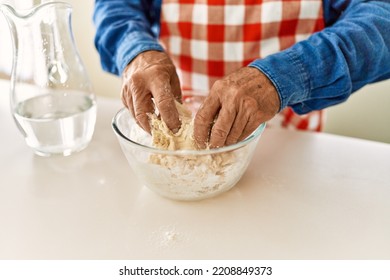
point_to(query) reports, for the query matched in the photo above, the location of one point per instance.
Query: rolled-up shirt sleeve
(325, 69)
(123, 30)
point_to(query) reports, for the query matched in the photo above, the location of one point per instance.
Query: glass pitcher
(52, 100)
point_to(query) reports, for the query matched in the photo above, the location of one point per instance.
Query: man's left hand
(235, 107)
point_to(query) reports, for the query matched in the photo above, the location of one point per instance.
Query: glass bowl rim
(255, 134)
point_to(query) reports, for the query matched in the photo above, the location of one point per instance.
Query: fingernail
(175, 130)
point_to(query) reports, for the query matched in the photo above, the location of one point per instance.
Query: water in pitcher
(61, 122)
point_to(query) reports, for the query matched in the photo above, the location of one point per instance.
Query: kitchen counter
(304, 196)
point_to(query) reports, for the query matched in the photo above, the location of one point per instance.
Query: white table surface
(304, 196)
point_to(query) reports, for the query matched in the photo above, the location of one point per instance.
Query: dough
(189, 176)
(164, 138)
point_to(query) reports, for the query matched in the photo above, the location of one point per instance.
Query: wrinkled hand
(235, 107)
(152, 75)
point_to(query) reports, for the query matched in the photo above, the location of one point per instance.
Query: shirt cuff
(130, 47)
(287, 73)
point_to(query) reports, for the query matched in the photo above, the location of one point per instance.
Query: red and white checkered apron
(208, 39)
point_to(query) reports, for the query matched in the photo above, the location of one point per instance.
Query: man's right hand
(152, 75)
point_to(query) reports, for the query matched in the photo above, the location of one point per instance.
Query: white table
(303, 196)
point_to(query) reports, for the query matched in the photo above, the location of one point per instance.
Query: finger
(222, 126)
(139, 100)
(246, 111)
(143, 106)
(237, 128)
(254, 120)
(204, 120)
(176, 90)
(127, 100)
(124, 95)
(165, 102)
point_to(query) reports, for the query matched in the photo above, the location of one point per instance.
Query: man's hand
(235, 107)
(152, 75)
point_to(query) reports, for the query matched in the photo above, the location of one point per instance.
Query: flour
(186, 175)
(168, 237)
(163, 138)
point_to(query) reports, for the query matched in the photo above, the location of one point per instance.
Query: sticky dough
(164, 138)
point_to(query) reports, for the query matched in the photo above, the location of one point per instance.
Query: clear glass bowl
(183, 174)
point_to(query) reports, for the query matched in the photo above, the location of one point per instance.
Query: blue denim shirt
(352, 51)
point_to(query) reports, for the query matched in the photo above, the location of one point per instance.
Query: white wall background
(104, 84)
(365, 115)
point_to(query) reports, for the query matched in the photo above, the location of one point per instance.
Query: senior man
(257, 58)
